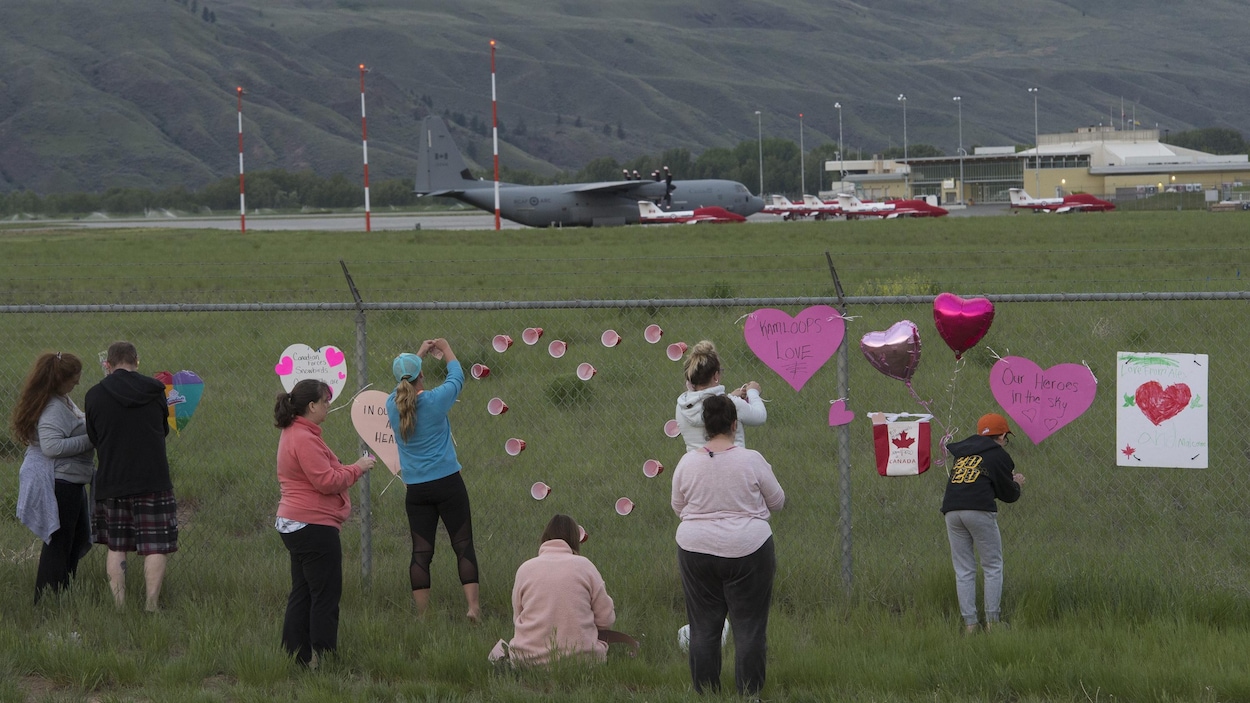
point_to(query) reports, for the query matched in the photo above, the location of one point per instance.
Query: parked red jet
(652, 215)
(1077, 202)
(855, 208)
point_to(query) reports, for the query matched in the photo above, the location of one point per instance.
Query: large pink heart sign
(300, 361)
(1041, 400)
(962, 323)
(795, 347)
(369, 419)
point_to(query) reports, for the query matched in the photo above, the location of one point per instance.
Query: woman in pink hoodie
(313, 507)
(559, 602)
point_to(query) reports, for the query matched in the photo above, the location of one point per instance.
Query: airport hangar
(1098, 160)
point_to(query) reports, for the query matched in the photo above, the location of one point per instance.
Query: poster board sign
(1161, 415)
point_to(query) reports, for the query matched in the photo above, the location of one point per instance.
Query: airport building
(1102, 161)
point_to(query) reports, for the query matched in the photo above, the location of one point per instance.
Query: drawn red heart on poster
(795, 347)
(1042, 401)
(1158, 403)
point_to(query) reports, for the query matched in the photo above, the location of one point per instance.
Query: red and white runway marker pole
(494, 117)
(364, 138)
(242, 204)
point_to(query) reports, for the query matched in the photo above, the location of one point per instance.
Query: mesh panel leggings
(445, 498)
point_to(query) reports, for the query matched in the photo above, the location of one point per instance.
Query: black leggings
(426, 503)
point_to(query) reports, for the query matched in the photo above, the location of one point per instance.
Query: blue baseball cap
(406, 365)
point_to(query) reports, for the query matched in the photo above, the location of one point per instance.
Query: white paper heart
(300, 361)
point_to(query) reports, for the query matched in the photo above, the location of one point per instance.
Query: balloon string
(388, 485)
(348, 403)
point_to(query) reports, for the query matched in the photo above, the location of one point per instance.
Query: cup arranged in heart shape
(371, 423)
(795, 347)
(300, 361)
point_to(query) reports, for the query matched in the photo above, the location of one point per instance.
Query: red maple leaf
(1127, 451)
(903, 441)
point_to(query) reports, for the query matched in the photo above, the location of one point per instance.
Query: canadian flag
(902, 448)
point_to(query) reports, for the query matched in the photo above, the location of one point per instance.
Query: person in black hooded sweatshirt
(127, 421)
(982, 472)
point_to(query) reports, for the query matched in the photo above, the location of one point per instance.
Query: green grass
(1124, 584)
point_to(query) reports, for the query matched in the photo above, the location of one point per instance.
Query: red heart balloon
(962, 323)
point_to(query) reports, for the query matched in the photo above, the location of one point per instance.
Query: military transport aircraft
(441, 170)
(651, 214)
(1077, 202)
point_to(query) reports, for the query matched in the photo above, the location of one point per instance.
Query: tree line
(277, 189)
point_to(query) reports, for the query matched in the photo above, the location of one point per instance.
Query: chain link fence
(1081, 518)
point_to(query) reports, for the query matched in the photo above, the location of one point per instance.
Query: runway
(355, 222)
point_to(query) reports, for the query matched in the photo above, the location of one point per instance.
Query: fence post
(362, 382)
(844, 444)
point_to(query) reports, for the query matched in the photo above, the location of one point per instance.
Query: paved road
(356, 222)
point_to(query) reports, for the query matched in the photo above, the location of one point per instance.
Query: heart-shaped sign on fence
(1041, 400)
(374, 427)
(183, 391)
(795, 347)
(300, 361)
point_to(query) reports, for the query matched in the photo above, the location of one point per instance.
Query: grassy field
(1128, 586)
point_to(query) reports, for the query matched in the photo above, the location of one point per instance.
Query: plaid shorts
(145, 523)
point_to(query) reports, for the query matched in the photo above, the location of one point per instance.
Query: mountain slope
(141, 92)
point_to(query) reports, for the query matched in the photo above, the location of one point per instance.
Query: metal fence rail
(588, 440)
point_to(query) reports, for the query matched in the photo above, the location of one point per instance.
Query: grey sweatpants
(966, 530)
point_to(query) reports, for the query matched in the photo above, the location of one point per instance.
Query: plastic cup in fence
(479, 371)
(671, 428)
(540, 490)
(585, 371)
(501, 342)
(582, 534)
(652, 334)
(624, 506)
(676, 350)
(514, 446)
(496, 406)
(652, 468)
(531, 335)
(610, 338)
(557, 348)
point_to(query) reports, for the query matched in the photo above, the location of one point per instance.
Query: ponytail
(406, 404)
(288, 406)
(702, 364)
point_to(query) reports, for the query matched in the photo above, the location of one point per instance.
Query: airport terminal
(1114, 164)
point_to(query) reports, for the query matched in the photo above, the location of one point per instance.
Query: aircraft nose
(754, 204)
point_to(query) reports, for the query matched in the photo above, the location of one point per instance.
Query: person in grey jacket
(703, 380)
(47, 420)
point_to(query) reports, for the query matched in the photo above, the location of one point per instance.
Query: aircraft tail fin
(1019, 197)
(845, 200)
(440, 167)
(812, 200)
(647, 209)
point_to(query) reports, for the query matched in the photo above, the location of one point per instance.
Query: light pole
(364, 142)
(759, 125)
(802, 165)
(903, 99)
(841, 148)
(960, 103)
(1037, 148)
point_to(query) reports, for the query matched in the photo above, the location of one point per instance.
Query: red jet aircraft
(1077, 202)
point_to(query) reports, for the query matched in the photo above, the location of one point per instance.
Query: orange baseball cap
(992, 425)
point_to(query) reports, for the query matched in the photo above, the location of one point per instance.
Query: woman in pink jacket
(559, 602)
(313, 507)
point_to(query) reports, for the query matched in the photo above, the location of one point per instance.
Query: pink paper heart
(839, 415)
(1041, 401)
(962, 323)
(894, 352)
(334, 357)
(795, 347)
(285, 366)
(371, 423)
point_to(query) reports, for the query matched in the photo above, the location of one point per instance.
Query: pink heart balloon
(894, 352)
(962, 323)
